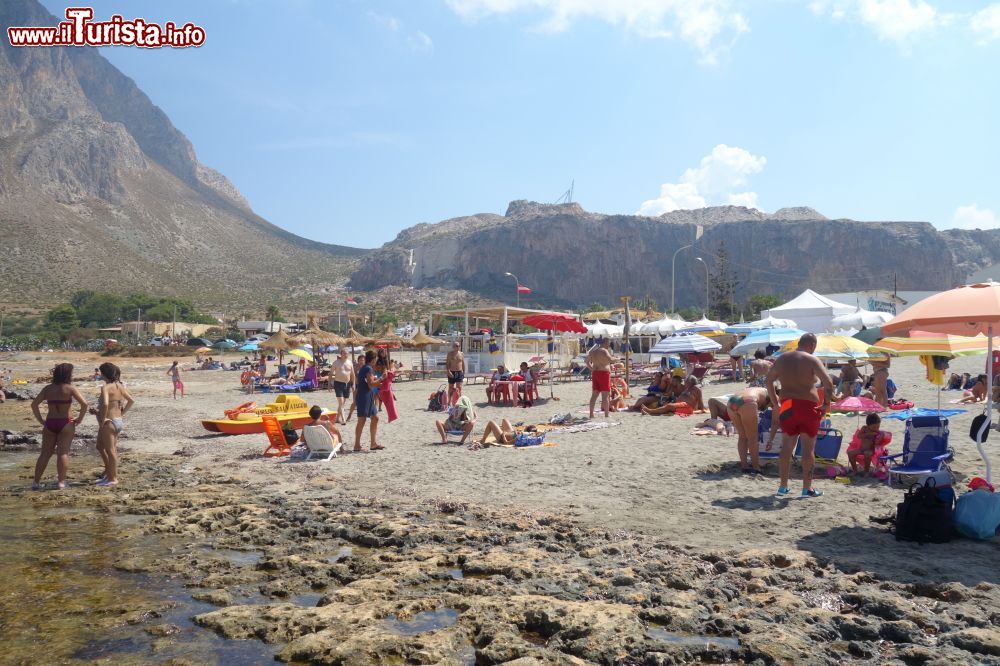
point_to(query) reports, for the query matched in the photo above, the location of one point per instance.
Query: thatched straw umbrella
(279, 342)
(355, 339)
(420, 341)
(389, 339)
(317, 336)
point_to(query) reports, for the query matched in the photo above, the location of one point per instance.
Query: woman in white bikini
(114, 402)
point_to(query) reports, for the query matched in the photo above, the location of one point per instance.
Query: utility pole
(517, 287)
(138, 320)
(173, 325)
(3, 311)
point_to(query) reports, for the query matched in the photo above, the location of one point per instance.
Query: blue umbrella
(250, 346)
(764, 338)
(683, 342)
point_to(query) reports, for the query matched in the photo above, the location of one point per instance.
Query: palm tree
(272, 314)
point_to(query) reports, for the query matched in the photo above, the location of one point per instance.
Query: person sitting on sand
(655, 391)
(744, 411)
(977, 393)
(867, 434)
(322, 420)
(954, 383)
(967, 381)
(849, 377)
(687, 402)
(461, 418)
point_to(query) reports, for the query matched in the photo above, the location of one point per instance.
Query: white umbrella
(684, 343)
(765, 338)
(859, 318)
(602, 330)
(705, 321)
(773, 322)
(664, 326)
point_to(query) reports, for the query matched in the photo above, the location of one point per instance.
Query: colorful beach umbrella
(764, 338)
(833, 347)
(857, 404)
(968, 310)
(924, 343)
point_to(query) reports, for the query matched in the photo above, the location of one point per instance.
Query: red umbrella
(555, 321)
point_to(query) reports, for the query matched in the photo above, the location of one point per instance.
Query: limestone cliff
(98, 189)
(572, 257)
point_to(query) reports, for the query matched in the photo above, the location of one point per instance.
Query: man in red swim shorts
(599, 361)
(802, 409)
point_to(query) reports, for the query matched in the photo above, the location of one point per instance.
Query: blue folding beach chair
(925, 452)
(828, 441)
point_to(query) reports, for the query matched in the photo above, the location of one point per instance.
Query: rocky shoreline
(327, 578)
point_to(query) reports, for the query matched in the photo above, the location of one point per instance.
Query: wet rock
(857, 628)
(215, 597)
(902, 631)
(980, 641)
(159, 630)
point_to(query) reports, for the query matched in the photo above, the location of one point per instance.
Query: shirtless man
(599, 361)
(849, 374)
(797, 372)
(455, 365)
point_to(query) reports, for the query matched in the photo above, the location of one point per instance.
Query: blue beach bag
(977, 514)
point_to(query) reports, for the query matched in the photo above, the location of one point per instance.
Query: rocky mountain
(571, 257)
(99, 189)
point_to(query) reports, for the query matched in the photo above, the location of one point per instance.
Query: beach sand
(644, 483)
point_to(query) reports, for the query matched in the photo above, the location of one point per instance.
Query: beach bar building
(480, 328)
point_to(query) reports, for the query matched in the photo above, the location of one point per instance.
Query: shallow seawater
(422, 622)
(63, 597)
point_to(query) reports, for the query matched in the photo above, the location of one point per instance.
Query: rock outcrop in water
(98, 187)
(569, 256)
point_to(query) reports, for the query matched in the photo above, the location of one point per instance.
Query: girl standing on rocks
(115, 400)
(175, 376)
(57, 426)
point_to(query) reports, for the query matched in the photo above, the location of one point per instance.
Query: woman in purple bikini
(57, 426)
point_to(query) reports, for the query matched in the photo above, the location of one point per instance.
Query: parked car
(199, 342)
(225, 343)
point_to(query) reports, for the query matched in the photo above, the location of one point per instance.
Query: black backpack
(438, 401)
(925, 514)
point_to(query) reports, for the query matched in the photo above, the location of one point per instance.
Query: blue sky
(348, 121)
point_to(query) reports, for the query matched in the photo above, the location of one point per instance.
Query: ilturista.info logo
(79, 29)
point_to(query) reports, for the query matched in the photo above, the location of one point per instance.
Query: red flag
(521, 289)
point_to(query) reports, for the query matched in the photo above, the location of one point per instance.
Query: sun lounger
(277, 445)
(320, 442)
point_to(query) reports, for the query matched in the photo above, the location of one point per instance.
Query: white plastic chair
(320, 441)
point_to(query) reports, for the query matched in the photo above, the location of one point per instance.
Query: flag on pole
(521, 289)
(351, 303)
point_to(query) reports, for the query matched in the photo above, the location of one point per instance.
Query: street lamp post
(673, 275)
(705, 264)
(517, 288)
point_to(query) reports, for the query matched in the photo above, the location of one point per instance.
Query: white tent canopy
(811, 311)
(859, 318)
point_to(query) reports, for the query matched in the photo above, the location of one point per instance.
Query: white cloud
(974, 217)
(986, 23)
(419, 41)
(390, 23)
(891, 20)
(721, 177)
(710, 25)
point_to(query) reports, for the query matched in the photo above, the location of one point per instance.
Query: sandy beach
(580, 551)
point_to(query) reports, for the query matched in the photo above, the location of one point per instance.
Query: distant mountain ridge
(99, 189)
(570, 257)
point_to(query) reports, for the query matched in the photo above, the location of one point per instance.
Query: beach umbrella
(968, 310)
(279, 342)
(355, 339)
(203, 350)
(853, 404)
(249, 346)
(684, 343)
(663, 327)
(554, 321)
(301, 353)
(764, 338)
(870, 335)
(925, 343)
(767, 322)
(706, 324)
(833, 347)
(420, 341)
(859, 318)
(389, 340)
(600, 330)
